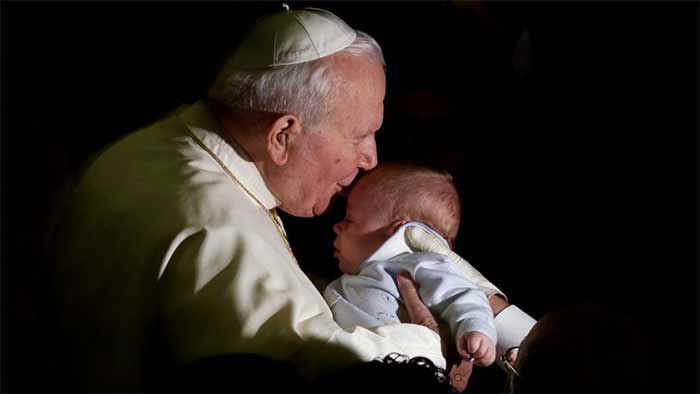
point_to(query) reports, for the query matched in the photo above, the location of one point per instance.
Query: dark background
(575, 150)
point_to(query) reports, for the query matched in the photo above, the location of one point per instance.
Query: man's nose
(336, 228)
(368, 156)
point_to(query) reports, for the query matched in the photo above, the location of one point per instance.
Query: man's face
(330, 155)
(365, 227)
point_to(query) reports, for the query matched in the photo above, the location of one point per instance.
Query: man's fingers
(417, 311)
(459, 375)
(512, 356)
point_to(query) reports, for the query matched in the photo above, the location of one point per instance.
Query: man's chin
(318, 211)
(322, 207)
(315, 210)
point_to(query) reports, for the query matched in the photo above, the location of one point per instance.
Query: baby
(371, 251)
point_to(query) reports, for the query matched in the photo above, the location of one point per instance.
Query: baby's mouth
(336, 252)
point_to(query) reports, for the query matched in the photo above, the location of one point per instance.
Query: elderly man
(172, 250)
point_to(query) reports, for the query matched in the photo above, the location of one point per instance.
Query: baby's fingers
(488, 358)
(476, 347)
(462, 348)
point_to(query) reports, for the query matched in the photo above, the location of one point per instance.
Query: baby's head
(387, 197)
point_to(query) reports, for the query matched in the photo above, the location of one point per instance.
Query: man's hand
(419, 239)
(478, 346)
(459, 370)
(417, 311)
(460, 374)
(497, 303)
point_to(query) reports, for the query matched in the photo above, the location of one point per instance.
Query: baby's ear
(396, 224)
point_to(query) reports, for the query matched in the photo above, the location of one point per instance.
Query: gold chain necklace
(272, 215)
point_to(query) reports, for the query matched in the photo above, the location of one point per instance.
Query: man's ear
(280, 137)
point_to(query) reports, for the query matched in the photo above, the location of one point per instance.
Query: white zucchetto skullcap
(291, 37)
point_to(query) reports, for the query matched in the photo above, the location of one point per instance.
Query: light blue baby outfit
(371, 297)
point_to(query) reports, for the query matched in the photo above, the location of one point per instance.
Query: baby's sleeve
(449, 295)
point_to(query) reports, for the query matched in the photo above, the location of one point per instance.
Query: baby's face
(365, 227)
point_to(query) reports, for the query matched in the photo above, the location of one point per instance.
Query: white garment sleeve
(513, 325)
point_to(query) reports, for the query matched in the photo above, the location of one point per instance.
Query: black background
(578, 178)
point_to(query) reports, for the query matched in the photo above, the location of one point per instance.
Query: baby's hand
(479, 346)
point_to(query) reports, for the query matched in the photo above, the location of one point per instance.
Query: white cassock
(163, 245)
